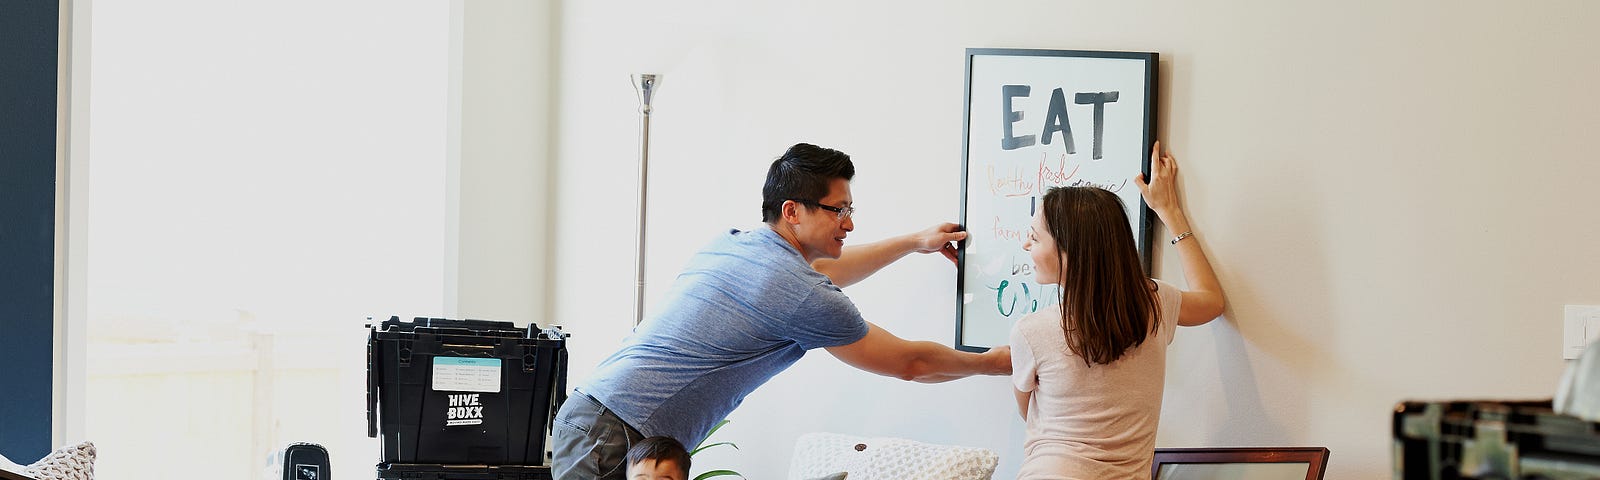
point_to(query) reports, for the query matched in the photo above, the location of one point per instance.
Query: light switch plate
(1580, 326)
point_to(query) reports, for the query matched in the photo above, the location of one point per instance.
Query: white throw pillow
(1579, 392)
(72, 462)
(820, 454)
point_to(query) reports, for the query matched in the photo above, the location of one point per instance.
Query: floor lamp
(645, 84)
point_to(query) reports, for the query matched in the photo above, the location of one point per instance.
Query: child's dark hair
(660, 448)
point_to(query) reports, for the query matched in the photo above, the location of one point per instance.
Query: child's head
(658, 458)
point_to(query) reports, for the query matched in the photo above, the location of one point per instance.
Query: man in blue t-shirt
(747, 307)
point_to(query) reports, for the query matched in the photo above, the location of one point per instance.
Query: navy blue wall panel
(28, 46)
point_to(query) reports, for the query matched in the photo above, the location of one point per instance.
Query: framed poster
(1037, 119)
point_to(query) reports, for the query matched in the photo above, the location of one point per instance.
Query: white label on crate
(461, 374)
(465, 409)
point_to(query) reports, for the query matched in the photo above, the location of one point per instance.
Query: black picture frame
(1128, 71)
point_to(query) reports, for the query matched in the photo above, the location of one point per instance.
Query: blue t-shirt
(745, 308)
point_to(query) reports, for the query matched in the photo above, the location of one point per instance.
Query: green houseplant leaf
(718, 473)
(703, 445)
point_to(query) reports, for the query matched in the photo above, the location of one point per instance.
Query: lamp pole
(645, 84)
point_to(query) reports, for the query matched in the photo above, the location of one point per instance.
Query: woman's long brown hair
(1108, 305)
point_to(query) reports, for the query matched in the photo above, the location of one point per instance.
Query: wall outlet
(1581, 325)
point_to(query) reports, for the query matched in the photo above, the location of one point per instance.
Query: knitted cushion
(820, 454)
(72, 462)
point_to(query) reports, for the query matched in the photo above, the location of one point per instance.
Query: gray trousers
(590, 442)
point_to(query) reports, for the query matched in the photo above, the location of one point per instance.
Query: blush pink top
(1090, 422)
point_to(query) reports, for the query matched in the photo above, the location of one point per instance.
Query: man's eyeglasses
(843, 212)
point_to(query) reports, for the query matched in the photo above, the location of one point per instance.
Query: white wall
(499, 131)
(72, 163)
(1395, 194)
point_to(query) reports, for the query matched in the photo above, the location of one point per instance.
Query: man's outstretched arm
(883, 353)
(858, 262)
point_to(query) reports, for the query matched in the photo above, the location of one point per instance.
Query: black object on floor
(302, 461)
(463, 392)
(1492, 439)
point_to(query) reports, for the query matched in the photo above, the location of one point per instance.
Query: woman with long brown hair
(1089, 371)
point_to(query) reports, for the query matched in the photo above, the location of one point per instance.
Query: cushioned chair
(833, 456)
(11, 471)
(7, 475)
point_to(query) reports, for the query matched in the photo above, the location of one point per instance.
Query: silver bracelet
(1182, 236)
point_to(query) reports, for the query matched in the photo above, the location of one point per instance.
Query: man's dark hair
(660, 448)
(802, 173)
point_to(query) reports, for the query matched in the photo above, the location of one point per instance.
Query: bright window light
(263, 177)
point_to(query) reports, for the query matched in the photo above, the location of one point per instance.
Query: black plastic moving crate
(461, 472)
(463, 392)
